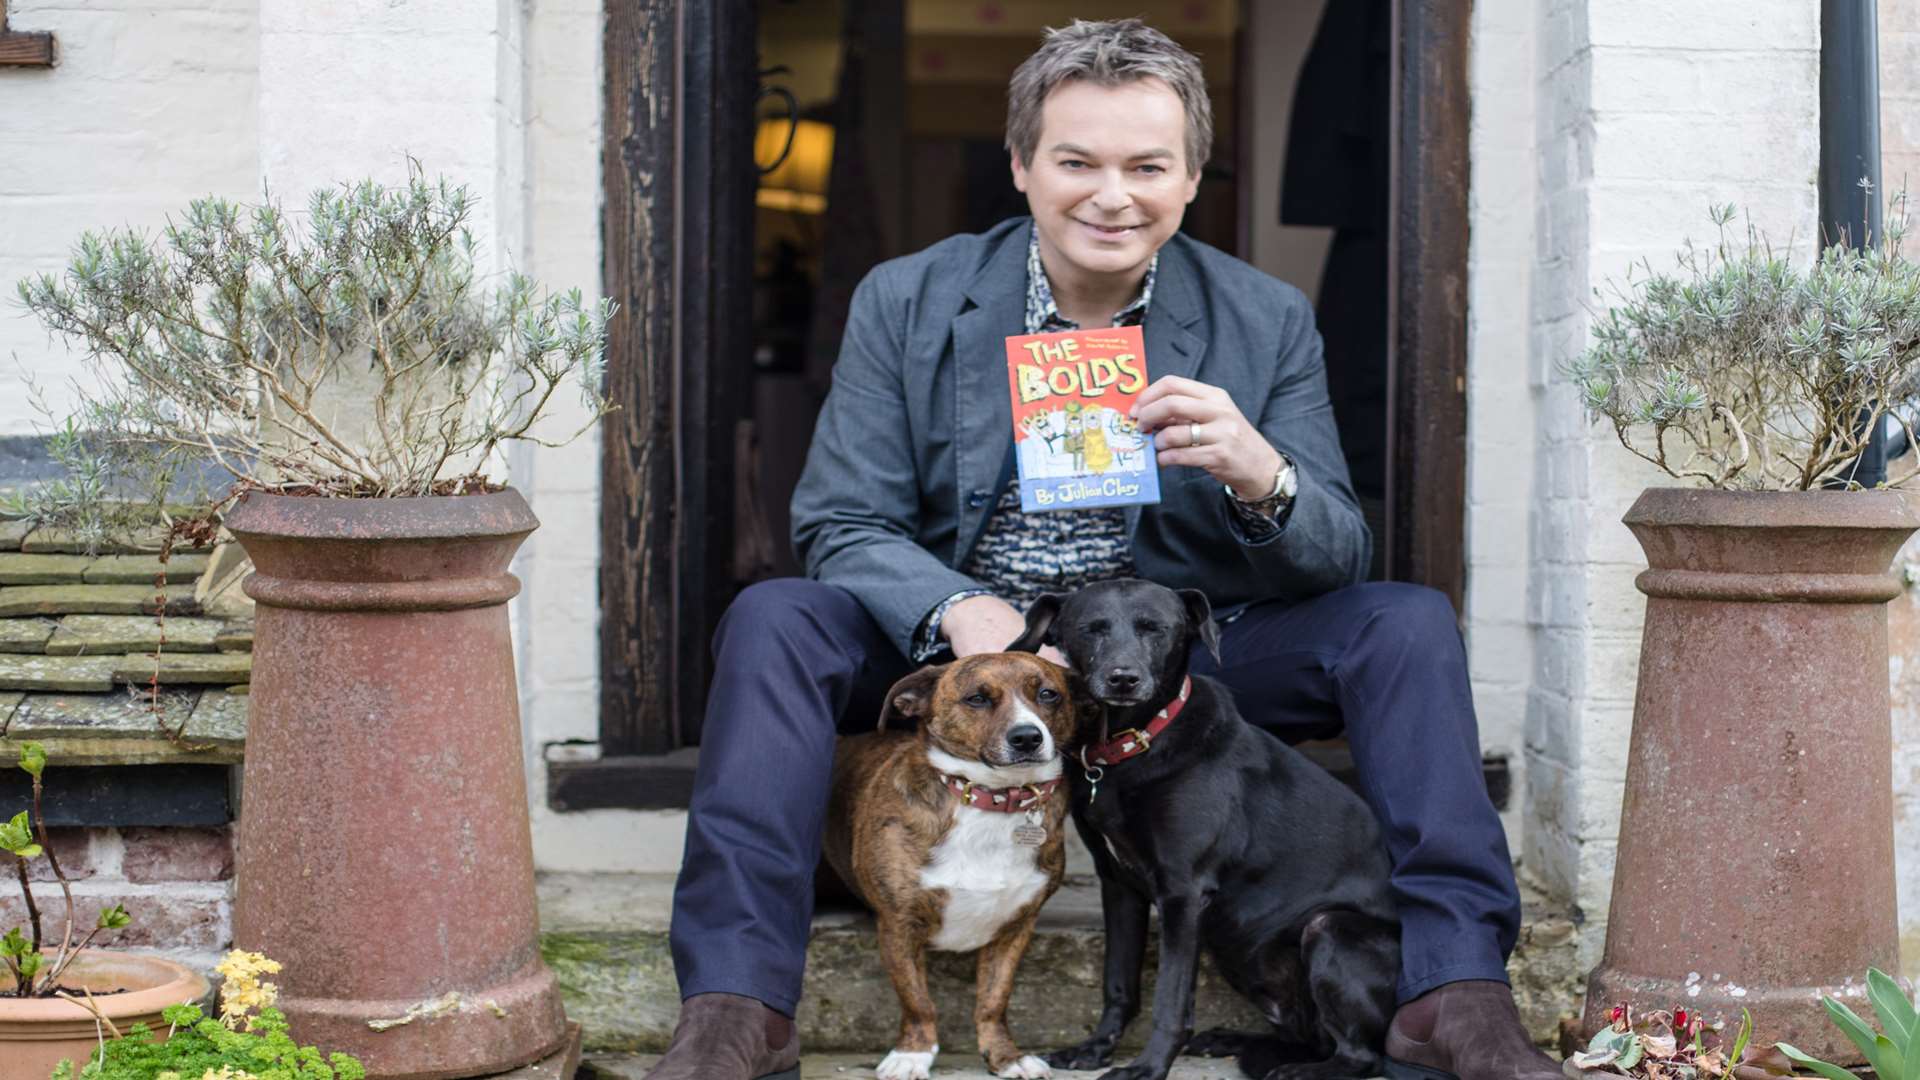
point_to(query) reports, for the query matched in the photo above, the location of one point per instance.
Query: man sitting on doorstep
(916, 548)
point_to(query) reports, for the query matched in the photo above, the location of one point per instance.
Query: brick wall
(1900, 168)
(150, 105)
(176, 883)
(1646, 113)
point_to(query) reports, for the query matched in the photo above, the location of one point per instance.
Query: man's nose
(1113, 196)
(1026, 738)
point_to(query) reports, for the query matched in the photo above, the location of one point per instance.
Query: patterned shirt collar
(1043, 315)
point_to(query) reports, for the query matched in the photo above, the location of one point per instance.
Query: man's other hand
(987, 624)
(1231, 448)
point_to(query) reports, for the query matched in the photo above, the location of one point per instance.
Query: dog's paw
(1092, 1054)
(1027, 1068)
(906, 1065)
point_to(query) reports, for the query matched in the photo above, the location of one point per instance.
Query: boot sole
(1407, 1070)
(790, 1074)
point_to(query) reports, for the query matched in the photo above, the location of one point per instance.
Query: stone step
(605, 936)
(19, 600)
(948, 1066)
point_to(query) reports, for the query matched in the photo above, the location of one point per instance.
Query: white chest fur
(988, 877)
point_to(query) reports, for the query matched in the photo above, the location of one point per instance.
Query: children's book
(1075, 446)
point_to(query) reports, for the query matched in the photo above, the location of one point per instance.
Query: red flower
(1680, 1020)
(1618, 1012)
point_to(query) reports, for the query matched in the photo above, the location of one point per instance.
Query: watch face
(1289, 483)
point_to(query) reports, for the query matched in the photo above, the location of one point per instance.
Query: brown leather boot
(1470, 1030)
(729, 1037)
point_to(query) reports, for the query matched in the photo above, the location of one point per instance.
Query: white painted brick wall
(151, 105)
(1645, 113)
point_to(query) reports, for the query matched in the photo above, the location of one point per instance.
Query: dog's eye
(1047, 696)
(978, 699)
(1148, 627)
(1094, 628)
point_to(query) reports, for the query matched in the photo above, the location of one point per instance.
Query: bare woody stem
(46, 845)
(33, 917)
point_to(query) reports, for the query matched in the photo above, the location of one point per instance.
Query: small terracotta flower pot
(36, 1033)
(384, 855)
(1755, 868)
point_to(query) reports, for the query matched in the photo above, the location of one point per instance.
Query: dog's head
(1128, 638)
(990, 717)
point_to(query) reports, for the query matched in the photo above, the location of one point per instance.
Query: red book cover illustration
(1074, 444)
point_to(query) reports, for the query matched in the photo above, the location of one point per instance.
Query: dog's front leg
(993, 981)
(1124, 911)
(1172, 989)
(903, 950)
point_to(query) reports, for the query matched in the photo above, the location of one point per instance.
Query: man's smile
(1109, 232)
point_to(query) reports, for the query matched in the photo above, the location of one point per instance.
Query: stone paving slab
(81, 635)
(220, 668)
(25, 671)
(28, 635)
(143, 569)
(12, 533)
(234, 636)
(9, 700)
(967, 1066)
(120, 728)
(67, 542)
(17, 568)
(18, 600)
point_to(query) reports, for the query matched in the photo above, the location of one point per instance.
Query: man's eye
(1047, 695)
(1070, 164)
(1153, 170)
(978, 700)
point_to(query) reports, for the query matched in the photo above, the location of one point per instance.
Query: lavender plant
(350, 351)
(1740, 369)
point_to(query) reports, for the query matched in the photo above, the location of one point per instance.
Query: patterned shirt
(1020, 555)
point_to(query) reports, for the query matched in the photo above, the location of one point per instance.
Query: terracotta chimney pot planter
(1755, 866)
(384, 854)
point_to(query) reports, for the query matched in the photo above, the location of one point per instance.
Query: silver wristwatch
(1286, 484)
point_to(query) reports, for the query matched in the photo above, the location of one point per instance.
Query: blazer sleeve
(856, 511)
(1323, 542)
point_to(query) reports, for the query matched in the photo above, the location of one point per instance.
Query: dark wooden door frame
(678, 179)
(1427, 298)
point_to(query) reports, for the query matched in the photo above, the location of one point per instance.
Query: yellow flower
(242, 992)
(227, 1072)
(168, 1075)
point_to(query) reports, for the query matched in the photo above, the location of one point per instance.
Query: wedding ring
(1193, 433)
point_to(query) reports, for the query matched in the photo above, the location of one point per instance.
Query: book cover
(1074, 446)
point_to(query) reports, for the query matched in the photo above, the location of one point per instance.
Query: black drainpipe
(1850, 151)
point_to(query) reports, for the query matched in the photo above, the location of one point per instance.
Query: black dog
(1247, 849)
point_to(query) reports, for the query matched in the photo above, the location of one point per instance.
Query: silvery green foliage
(1742, 370)
(236, 334)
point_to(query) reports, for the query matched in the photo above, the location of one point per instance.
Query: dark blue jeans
(797, 661)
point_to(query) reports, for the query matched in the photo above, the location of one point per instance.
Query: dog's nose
(1026, 738)
(1122, 681)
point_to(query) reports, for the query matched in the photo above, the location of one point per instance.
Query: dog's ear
(1200, 617)
(911, 696)
(1039, 624)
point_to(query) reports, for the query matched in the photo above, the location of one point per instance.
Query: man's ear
(911, 696)
(1200, 618)
(1039, 624)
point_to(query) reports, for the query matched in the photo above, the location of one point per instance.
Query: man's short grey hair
(1109, 53)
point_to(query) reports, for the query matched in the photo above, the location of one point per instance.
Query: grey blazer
(917, 430)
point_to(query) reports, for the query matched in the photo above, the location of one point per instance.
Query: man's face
(1109, 181)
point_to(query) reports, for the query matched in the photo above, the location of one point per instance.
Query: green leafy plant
(1894, 1054)
(352, 350)
(24, 837)
(198, 1048)
(1742, 368)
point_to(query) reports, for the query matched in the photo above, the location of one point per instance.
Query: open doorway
(900, 107)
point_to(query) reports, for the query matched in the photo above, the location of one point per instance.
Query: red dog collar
(1010, 800)
(1135, 741)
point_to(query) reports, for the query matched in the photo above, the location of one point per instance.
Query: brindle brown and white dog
(954, 835)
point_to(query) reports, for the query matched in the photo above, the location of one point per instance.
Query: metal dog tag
(1031, 833)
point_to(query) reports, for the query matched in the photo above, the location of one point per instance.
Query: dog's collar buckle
(1135, 741)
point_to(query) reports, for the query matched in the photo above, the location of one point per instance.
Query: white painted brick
(1705, 25)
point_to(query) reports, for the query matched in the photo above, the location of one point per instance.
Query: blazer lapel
(983, 406)
(1173, 316)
